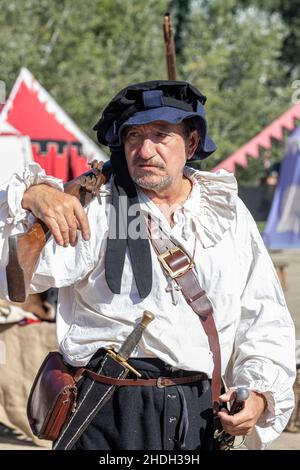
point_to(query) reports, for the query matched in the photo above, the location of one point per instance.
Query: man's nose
(147, 148)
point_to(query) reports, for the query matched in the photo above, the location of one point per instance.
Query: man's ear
(193, 142)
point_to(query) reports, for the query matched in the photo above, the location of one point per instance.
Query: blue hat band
(172, 115)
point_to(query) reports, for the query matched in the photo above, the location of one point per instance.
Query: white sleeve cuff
(32, 174)
(272, 421)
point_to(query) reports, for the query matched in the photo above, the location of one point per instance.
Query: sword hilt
(147, 318)
(241, 395)
(132, 341)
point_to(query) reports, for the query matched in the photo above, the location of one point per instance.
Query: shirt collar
(211, 206)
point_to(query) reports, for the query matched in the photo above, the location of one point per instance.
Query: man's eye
(133, 134)
(162, 134)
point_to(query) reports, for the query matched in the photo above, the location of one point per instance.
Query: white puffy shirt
(232, 264)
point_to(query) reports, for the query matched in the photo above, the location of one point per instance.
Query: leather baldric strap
(178, 266)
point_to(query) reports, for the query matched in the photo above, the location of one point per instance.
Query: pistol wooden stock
(25, 248)
(170, 47)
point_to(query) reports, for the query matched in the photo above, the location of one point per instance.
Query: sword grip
(241, 395)
(132, 340)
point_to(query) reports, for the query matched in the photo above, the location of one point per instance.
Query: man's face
(156, 154)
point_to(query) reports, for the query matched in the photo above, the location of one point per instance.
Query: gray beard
(164, 183)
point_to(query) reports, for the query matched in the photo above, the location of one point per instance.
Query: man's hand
(242, 423)
(62, 213)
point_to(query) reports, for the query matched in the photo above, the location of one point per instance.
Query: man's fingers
(238, 432)
(239, 424)
(243, 422)
(228, 396)
(64, 229)
(70, 221)
(72, 226)
(82, 221)
(69, 217)
(62, 213)
(233, 420)
(55, 230)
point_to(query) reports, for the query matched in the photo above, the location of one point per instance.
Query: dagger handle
(133, 339)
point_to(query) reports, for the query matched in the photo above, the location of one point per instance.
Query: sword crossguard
(117, 357)
(131, 342)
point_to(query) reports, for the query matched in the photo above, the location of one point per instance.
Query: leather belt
(160, 382)
(178, 266)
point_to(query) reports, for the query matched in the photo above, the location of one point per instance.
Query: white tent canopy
(15, 151)
(6, 128)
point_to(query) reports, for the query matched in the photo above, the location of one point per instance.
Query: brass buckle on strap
(160, 382)
(178, 272)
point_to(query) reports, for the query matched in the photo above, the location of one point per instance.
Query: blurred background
(61, 61)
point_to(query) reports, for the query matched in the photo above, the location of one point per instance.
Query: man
(117, 269)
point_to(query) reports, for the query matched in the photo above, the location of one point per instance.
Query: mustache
(153, 162)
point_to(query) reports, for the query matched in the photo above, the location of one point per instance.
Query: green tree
(83, 52)
(233, 56)
(181, 10)
(290, 14)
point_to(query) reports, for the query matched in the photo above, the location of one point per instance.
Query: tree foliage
(84, 52)
(233, 59)
(290, 15)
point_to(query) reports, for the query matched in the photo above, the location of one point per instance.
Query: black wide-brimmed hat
(160, 100)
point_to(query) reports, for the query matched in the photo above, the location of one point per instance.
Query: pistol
(25, 248)
(223, 440)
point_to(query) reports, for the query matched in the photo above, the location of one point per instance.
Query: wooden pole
(170, 47)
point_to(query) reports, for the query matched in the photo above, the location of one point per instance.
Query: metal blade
(133, 339)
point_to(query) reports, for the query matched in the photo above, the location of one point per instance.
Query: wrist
(25, 203)
(262, 402)
(30, 195)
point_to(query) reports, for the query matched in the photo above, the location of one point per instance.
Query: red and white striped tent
(58, 144)
(262, 140)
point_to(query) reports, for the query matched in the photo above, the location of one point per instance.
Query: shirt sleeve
(264, 349)
(13, 218)
(57, 266)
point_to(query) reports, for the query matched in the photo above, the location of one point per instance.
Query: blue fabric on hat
(141, 103)
(165, 113)
(153, 98)
(170, 115)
